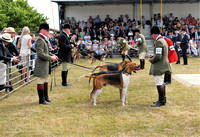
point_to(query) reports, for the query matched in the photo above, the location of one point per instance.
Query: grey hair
(24, 31)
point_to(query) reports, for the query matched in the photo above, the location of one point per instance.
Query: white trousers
(2, 73)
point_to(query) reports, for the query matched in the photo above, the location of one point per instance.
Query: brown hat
(6, 37)
(9, 30)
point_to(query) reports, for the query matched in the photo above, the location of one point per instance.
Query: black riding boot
(46, 96)
(162, 99)
(167, 79)
(142, 63)
(64, 79)
(40, 89)
(129, 58)
(123, 57)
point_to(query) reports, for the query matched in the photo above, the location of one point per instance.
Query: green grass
(72, 114)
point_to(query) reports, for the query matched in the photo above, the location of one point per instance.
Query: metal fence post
(27, 69)
(8, 78)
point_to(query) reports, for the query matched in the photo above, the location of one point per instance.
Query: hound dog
(113, 66)
(98, 57)
(86, 54)
(119, 79)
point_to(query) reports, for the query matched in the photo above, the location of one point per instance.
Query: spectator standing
(177, 41)
(184, 46)
(25, 46)
(109, 49)
(5, 56)
(159, 65)
(42, 64)
(142, 47)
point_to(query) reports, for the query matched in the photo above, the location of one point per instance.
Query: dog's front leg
(96, 95)
(124, 96)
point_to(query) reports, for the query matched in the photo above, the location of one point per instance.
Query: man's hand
(54, 58)
(150, 56)
(15, 60)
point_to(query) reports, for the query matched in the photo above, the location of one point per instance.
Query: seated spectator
(89, 25)
(109, 49)
(94, 34)
(125, 19)
(87, 38)
(81, 46)
(73, 21)
(67, 20)
(189, 17)
(171, 17)
(82, 25)
(193, 46)
(112, 32)
(106, 33)
(90, 19)
(120, 19)
(100, 33)
(82, 33)
(107, 19)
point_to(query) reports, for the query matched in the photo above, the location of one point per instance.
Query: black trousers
(177, 52)
(184, 51)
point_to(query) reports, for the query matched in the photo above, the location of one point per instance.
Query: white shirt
(24, 50)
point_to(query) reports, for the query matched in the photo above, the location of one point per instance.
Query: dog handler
(159, 64)
(42, 63)
(124, 47)
(65, 52)
(142, 47)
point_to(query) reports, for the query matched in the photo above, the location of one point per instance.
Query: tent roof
(94, 2)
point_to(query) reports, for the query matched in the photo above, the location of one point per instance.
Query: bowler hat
(66, 26)
(6, 37)
(9, 30)
(137, 30)
(44, 26)
(155, 30)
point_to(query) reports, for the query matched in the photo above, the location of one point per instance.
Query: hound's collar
(127, 72)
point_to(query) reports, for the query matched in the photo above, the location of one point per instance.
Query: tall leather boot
(129, 58)
(46, 96)
(143, 63)
(165, 79)
(169, 78)
(162, 99)
(64, 79)
(123, 57)
(40, 89)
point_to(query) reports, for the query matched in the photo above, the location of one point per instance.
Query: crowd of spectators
(109, 29)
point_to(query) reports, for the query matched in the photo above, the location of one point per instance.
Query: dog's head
(132, 67)
(125, 62)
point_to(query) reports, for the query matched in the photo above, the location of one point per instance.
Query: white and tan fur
(118, 79)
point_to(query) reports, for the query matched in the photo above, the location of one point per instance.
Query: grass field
(72, 114)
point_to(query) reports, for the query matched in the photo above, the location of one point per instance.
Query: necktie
(5, 53)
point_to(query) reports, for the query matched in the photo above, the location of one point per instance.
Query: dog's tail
(90, 79)
(96, 68)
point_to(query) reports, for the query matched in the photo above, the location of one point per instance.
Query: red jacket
(172, 56)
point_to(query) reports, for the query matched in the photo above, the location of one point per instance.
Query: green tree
(18, 14)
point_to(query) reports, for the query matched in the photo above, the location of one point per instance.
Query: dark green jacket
(42, 62)
(142, 46)
(160, 62)
(124, 45)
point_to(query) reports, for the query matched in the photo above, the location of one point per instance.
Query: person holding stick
(42, 63)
